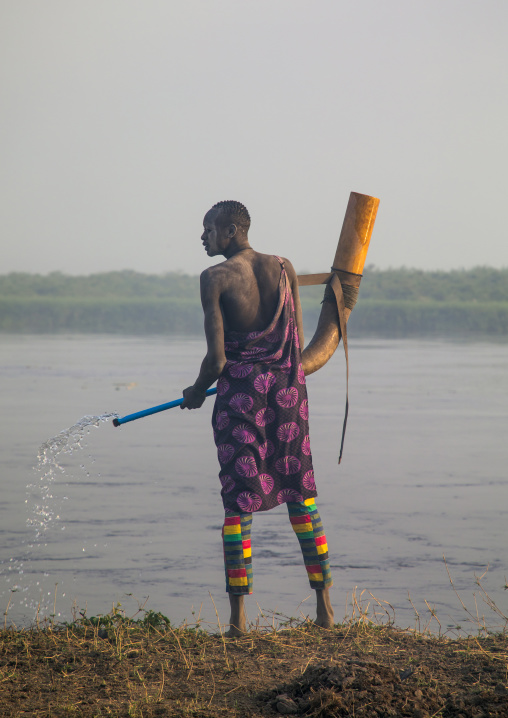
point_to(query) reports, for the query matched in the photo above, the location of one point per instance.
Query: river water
(135, 513)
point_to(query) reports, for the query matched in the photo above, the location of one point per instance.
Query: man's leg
(238, 567)
(308, 527)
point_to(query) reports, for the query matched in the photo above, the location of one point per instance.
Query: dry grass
(142, 667)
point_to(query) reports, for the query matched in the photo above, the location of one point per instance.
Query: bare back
(249, 284)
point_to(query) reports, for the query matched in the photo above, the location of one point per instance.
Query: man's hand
(192, 398)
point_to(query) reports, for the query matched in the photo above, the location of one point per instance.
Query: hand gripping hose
(155, 409)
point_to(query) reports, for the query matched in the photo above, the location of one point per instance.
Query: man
(253, 327)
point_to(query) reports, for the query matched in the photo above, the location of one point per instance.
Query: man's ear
(232, 230)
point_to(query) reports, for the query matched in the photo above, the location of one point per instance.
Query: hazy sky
(122, 122)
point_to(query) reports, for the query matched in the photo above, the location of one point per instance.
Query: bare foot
(237, 620)
(324, 617)
(234, 632)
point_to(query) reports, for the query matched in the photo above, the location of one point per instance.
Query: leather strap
(345, 292)
(336, 285)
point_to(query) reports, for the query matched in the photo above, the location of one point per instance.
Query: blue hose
(155, 409)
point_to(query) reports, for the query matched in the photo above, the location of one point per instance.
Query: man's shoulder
(228, 270)
(216, 276)
(238, 268)
(290, 270)
(216, 270)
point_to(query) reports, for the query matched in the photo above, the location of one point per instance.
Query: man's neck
(236, 247)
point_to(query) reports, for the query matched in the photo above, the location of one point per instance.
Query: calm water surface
(136, 512)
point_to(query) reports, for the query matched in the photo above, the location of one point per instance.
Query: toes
(234, 633)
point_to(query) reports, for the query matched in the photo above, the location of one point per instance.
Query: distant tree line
(481, 284)
(126, 284)
(392, 303)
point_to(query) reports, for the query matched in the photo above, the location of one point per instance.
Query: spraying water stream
(44, 508)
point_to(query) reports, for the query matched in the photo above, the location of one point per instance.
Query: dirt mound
(116, 667)
(443, 682)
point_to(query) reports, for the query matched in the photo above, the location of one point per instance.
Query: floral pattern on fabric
(260, 417)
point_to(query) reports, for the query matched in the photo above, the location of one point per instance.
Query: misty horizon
(122, 123)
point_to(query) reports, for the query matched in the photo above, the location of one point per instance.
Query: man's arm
(293, 280)
(215, 359)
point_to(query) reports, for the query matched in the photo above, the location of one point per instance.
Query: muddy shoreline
(114, 666)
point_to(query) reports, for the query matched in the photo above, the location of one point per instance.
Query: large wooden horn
(347, 267)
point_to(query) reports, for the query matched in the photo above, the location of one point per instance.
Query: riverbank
(386, 319)
(392, 303)
(146, 668)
